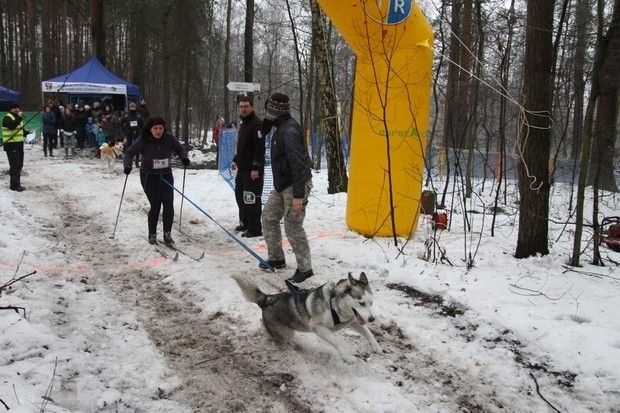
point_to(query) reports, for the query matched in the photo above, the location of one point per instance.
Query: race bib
(133, 123)
(161, 163)
(249, 198)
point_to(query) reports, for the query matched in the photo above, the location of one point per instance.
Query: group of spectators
(89, 125)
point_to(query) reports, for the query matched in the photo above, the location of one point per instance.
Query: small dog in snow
(110, 153)
(322, 310)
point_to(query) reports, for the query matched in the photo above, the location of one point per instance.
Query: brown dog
(110, 153)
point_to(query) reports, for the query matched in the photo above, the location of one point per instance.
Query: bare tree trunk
(464, 83)
(248, 44)
(583, 16)
(336, 169)
(475, 87)
(3, 48)
(165, 65)
(504, 75)
(534, 143)
(137, 47)
(98, 29)
(602, 161)
(585, 156)
(300, 77)
(227, 62)
(184, 104)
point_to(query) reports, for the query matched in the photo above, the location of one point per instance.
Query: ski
(166, 255)
(178, 250)
(189, 255)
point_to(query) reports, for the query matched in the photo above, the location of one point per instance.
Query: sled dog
(322, 310)
(110, 153)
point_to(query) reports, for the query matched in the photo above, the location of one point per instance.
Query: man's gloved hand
(127, 170)
(185, 161)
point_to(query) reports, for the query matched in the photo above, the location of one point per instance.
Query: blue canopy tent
(93, 80)
(8, 94)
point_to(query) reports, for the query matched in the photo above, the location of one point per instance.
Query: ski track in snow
(217, 360)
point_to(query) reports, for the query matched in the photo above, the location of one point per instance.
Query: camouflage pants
(278, 206)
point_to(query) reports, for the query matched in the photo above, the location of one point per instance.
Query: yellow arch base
(393, 44)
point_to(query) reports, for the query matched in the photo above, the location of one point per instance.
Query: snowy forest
(520, 90)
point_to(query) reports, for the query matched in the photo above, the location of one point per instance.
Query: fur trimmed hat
(277, 105)
(152, 122)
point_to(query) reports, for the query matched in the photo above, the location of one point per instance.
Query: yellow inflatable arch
(393, 44)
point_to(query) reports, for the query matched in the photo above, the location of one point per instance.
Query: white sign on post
(243, 87)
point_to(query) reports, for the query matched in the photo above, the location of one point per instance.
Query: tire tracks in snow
(218, 369)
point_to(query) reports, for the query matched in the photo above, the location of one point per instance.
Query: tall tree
(587, 140)
(336, 170)
(602, 156)
(98, 29)
(227, 59)
(248, 43)
(582, 16)
(534, 142)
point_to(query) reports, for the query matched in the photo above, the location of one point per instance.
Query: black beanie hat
(14, 104)
(277, 105)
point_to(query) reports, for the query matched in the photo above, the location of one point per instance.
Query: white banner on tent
(94, 88)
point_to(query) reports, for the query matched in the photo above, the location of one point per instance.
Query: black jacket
(290, 162)
(153, 152)
(132, 125)
(68, 123)
(250, 154)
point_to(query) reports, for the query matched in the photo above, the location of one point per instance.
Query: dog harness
(335, 316)
(294, 290)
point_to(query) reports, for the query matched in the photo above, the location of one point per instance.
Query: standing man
(13, 134)
(250, 164)
(292, 180)
(143, 111)
(132, 125)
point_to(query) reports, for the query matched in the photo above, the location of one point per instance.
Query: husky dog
(110, 153)
(322, 310)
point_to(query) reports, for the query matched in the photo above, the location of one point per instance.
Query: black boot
(168, 239)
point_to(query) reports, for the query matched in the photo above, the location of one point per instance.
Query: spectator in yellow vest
(13, 135)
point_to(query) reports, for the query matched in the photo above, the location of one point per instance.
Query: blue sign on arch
(388, 12)
(399, 11)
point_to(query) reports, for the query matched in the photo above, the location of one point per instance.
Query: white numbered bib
(133, 123)
(161, 163)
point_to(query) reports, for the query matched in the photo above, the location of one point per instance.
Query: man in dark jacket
(292, 180)
(81, 119)
(132, 125)
(249, 162)
(13, 135)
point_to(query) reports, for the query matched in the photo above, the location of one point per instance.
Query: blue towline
(231, 235)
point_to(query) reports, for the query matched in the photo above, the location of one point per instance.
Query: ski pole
(119, 206)
(182, 197)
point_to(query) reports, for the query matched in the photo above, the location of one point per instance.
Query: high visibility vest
(13, 135)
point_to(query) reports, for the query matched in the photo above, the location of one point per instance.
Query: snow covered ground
(109, 325)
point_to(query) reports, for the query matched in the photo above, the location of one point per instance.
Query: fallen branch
(588, 273)
(15, 277)
(532, 292)
(16, 309)
(541, 396)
